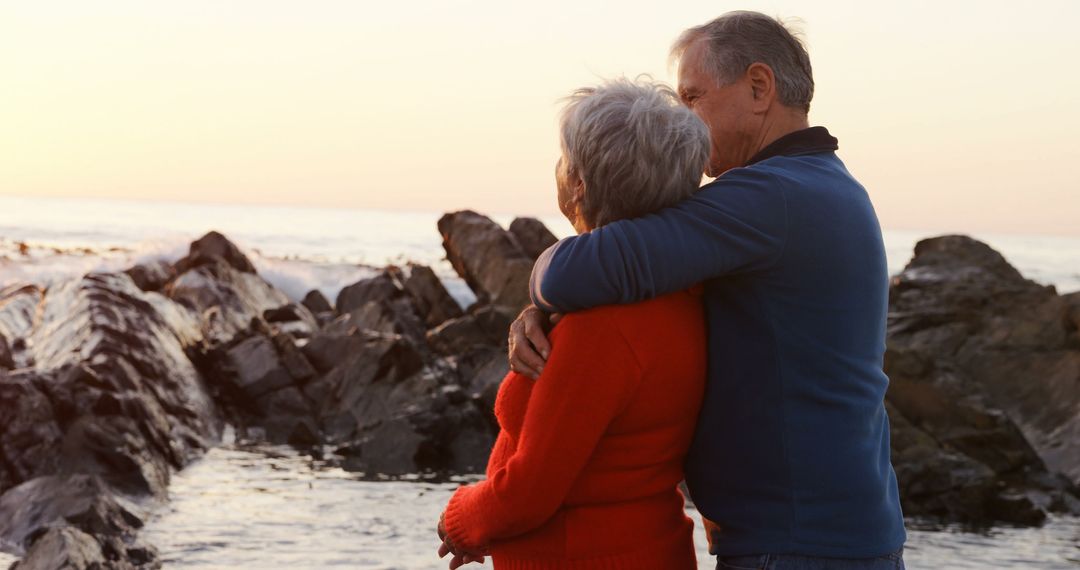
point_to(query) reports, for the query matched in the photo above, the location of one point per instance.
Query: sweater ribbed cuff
(455, 521)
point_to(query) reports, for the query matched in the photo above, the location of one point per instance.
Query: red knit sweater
(585, 471)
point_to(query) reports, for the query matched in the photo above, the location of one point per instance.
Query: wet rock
(532, 235)
(31, 435)
(984, 363)
(488, 258)
(81, 501)
(212, 248)
(64, 548)
(152, 275)
(7, 360)
(317, 303)
(18, 313)
(288, 417)
(429, 295)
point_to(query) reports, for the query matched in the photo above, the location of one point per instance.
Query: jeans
(894, 561)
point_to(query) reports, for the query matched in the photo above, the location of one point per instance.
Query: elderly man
(790, 462)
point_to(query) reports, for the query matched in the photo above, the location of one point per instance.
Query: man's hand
(529, 346)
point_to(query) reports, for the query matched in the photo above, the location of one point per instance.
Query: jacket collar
(806, 141)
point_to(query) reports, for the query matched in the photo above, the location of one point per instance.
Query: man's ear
(763, 85)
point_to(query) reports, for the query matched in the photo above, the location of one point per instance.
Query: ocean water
(271, 507)
(300, 249)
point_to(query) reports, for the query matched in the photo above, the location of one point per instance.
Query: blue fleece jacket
(791, 454)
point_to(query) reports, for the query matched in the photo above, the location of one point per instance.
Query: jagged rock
(18, 310)
(316, 302)
(488, 258)
(81, 501)
(439, 438)
(152, 275)
(211, 248)
(382, 287)
(258, 370)
(293, 359)
(486, 326)
(288, 417)
(31, 434)
(326, 349)
(431, 298)
(7, 360)
(226, 299)
(293, 319)
(395, 316)
(64, 548)
(986, 364)
(532, 235)
(482, 372)
(374, 381)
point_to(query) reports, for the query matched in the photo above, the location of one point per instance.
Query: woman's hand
(461, 556)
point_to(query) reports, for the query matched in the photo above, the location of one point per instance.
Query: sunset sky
(956, 115)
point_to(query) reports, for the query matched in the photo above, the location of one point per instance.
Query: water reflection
(246, 508)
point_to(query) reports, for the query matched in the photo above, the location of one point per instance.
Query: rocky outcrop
(106, 401)
(532, 235)
(985, 387)
(488, 258)
(110, 382)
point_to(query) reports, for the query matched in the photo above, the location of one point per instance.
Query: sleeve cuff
(461, 531)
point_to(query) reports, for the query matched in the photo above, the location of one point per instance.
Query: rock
(486, 326)
(31, 435)
(984, 363)
(375, 380)
(64, 548)
(152, 275)
(18, 312)
(258, 370)
(532, 235)
(327, 349)
(488, 258)
(293, 319)
(431, 298)
(226, 299)
(79, 500)
(293, 359)
(7, 360)
(382, 287)
(316, 302)
(482, 372)
(211, 248)
(396, 317)
(288, 417)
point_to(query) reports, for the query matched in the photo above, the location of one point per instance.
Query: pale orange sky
(957, 116)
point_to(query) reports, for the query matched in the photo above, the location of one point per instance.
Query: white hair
(736, 40)
(634, 145)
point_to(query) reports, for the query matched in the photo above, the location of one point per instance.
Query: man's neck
(784, 122)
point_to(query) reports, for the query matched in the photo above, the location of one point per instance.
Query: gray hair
(739, 39)
(634, 145)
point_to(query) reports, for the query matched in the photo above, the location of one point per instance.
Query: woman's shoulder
(679, 309)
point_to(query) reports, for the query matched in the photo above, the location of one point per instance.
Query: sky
(956, 116)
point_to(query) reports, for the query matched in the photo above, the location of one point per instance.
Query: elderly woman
(585, 471)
